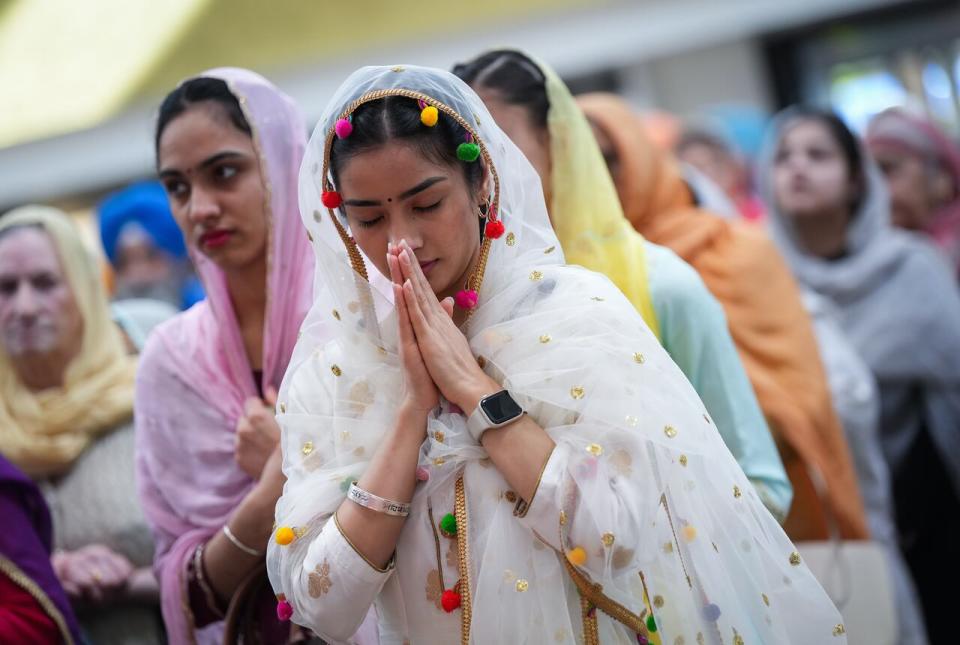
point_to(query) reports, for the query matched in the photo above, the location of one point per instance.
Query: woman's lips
(427, 266)
(215, 239)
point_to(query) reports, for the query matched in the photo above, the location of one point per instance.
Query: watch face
(500, 407)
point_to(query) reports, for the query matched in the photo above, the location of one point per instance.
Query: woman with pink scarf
(922, 169)
(229, 146)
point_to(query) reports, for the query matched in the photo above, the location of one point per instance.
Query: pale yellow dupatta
(585, 209)
(44, 432)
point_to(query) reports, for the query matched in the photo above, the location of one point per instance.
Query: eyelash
(427, 209)
(369, 223)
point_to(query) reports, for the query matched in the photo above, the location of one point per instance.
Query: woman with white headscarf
(611, 511)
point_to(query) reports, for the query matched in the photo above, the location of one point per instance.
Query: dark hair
(197, 90)
(516, 78)
(397, 118)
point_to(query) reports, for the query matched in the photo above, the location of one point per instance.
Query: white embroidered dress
(640, 488)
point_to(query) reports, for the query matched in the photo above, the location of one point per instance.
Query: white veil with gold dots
(640, 492)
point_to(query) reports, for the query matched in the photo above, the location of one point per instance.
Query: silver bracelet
(240, 545)
(368, 500)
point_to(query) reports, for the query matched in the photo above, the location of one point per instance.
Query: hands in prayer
(434, 352)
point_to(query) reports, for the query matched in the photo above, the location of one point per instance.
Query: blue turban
(145, 204)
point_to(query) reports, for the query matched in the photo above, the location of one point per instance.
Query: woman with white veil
(610, 512)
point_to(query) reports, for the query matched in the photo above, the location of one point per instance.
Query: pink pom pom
(422, 474)
(284, 611)
(466, 299)
(343, 128)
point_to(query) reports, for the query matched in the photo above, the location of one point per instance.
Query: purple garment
(27, 537)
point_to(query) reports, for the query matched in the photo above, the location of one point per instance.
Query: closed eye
(427, 209)
(370, 223)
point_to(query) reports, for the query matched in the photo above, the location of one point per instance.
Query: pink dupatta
(194, 375)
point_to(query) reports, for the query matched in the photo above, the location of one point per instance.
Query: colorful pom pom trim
(577, 556)
(494, 229)
(429, 116)
(284, 535)
(469, 152)
(331, 199)
(343, 128)
(449, 600)
(466, 299)
(448, 526)
(284, 609)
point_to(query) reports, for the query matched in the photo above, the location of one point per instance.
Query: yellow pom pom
(284, 535)
(577, 556)
(429, 116)
(689, 533)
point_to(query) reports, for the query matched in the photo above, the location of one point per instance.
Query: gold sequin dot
(766, 600)
(638, 357)
(658, 601)
(563, 518)
(439, 461)
(683, 460)
(344, 435)
(549, 250)
(511, 239)
(353, 307)
(545, 338)
(689, 533)
(632, 421)
(316, 216)
(283, 407)
(679, 640)
(536, 275)
(336, 370)
(358, 451)
(595, 449)
(510, 496)
(607, 539)
(522, 585)
(737, 639)
(398, 68)
(481, 361)
(670, 431)
(439, 436)
(560, 635)
(736, 492)
(839, 630)
(577, 392)
(699, 638)
(307, 448)
(336, 314)
(668, 547)
(795, 558)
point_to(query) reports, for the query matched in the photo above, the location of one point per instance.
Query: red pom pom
(449, 600)
(331, 199)
(494, 229)
(284, 611)
(466, 299)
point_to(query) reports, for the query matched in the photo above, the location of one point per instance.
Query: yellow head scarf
(44, 432)
(585, 209)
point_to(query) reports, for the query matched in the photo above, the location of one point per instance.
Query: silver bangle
(368, 500)
(240, 545)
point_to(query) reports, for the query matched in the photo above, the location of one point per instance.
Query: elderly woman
(66, 403)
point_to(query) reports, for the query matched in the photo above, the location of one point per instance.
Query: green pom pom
(651, 624)
(468, 152)
(448, 525)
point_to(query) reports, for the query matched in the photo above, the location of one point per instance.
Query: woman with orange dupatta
(767, 320)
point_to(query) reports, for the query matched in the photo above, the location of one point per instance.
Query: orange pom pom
(577, 556)
(284, 535)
